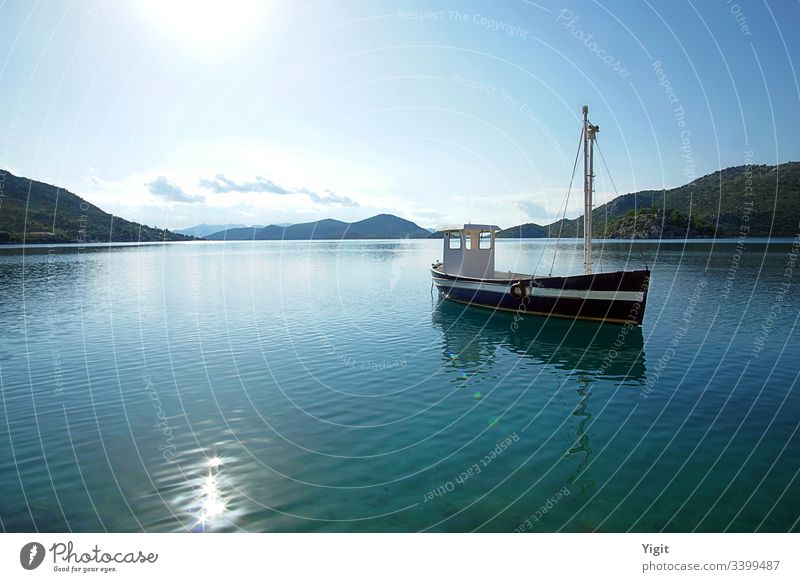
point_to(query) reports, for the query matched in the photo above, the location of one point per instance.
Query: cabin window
(455, 242)
(485, 240)
(468, 241)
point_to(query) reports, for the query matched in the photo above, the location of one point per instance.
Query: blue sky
(177, 113)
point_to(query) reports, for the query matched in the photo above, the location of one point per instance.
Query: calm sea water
(321, 386)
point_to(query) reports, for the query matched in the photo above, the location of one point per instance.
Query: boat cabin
(469, 251)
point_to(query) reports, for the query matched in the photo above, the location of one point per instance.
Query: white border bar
(413, 557)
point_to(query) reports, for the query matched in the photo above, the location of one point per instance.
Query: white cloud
(170, 191)
(221, 184)
(331, 199)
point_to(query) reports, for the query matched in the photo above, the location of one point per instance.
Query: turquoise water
(320, 386)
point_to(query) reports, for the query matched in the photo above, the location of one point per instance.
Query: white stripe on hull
(503, 288)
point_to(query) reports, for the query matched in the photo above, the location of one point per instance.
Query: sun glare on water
(205, 23)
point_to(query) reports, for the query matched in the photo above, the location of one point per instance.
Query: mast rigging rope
(566, 202)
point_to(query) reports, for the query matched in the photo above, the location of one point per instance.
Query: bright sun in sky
(212, 24)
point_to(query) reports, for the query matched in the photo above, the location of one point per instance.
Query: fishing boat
(467, 272)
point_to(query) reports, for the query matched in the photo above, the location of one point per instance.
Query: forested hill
(35, 212)
(713, 204)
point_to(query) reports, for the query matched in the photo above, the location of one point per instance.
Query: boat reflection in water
(474, 335)
(584, 356)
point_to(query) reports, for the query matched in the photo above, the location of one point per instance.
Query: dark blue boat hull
(618, 297)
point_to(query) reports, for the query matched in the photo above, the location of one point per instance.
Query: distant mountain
(240, 233)
(202, 230)
(380, 226)
(529, 230)
(388, 226)
(715, 204)
(322, 229)
(35, 212)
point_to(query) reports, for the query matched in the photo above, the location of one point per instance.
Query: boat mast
(589, 132)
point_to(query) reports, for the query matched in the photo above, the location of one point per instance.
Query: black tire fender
(518, 291)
